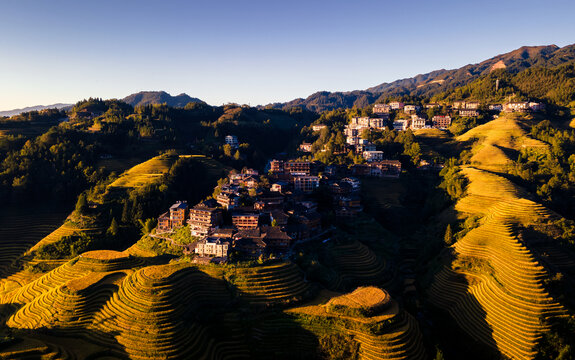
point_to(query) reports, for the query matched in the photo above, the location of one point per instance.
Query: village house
(458, 105)
(245, 219)
(472, 105)
(174, 218)
(495, 107)
(396, 105)
(432, 106)
(213, 247)
(265, 239)
(280, 186)
(441, 121)
(228, 200)
(468, 113)
(364, 146)
(203, 218)
(522, 106)
(306, 184)
(318, 127)
(370, 156)
(277, 166)
(232, 140)
(381, 109)
(298, 167)
(305, 147)
(388, 168)
(353, 182)
(401, 124)
(417, 122)
(411, 109)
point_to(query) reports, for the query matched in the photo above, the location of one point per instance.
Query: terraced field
(494, 287)
(145, 173)
(388, 332)
(355, 263)
(281, 283)
(20, 229)
(498, 139)
(137, 314)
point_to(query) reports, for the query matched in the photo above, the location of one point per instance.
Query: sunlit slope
(141, 314)
(371, 318)
(145, 173)
(494, 286)
(498, 140)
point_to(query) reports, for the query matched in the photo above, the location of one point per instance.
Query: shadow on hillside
(279, 336)
(443, 328)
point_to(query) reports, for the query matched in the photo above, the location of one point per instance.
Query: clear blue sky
(253, 52)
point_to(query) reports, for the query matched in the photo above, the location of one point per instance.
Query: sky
(253, 52)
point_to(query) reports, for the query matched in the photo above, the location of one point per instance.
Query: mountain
(159, 97)
(33, 108)
(439, 80)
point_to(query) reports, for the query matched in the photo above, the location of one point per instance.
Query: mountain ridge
(13, 112)
(436, 81)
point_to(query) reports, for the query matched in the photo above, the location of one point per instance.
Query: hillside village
(401, 117)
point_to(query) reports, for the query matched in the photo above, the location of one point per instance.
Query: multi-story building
(370, 156)
(178, 214)
(472, 105)
(441, 121)
(417, 122)
(381, 109)
(203, 219)
(522, 106)
(496, 107)
(232, 140)
(243, 220)
(401, 124)
(228, 200)
(396, 105)
(213, 246)
(280, 186)
(277, 166)
(306, 184)
(318, 127)
(432, 106)
(175, 217)
(468, 113)
(536, 106)
(411, 109)
(299, 167)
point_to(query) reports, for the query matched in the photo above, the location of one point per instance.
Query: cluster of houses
(253, 215)
(247, 217)
(411, 119)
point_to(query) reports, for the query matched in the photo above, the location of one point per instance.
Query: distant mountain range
(159, 97)
(437, 81)
(34, 108)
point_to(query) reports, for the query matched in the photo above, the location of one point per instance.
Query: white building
(211, 246)
(417, 122)
(232, 140)
(370, 156)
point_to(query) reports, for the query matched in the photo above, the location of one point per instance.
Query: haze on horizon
(252, 53)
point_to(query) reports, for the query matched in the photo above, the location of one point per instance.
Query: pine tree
(113, 229)
(81, 204)
(448, 237)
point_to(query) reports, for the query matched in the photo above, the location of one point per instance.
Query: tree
(113, 229)
(237, 155)
(81, 204)
(147, 226)
(228, 150)
(448, 237)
